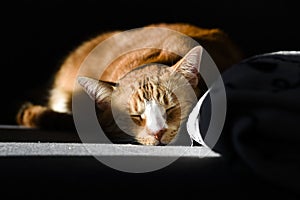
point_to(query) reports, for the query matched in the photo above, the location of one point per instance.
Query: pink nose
(158, 134)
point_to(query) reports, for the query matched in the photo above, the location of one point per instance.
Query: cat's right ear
(189, 65)
(99, 91)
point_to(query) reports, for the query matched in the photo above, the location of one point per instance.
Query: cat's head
(150, 103)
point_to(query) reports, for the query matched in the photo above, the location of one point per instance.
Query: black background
(37, 35)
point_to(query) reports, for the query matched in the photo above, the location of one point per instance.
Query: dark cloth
(262, 126)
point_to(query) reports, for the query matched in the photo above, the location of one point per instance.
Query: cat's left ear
(189, 65)
(99, 91)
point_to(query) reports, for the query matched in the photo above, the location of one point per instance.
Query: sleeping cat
(142, 83)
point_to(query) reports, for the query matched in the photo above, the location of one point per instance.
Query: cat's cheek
(169, 137)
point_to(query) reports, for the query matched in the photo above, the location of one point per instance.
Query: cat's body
(151, 103)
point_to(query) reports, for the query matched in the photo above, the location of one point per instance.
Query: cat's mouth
(147, 141)
(139, 143)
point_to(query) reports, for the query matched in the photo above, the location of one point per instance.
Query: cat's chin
(151, 141)
(148, 140)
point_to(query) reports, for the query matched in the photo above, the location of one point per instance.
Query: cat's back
(156, 45)
(215, 41)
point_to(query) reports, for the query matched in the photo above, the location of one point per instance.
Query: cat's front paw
(21, 113)
(28, 114)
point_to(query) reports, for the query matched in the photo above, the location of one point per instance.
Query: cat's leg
(37, 116)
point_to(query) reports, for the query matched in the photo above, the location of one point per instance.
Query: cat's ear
(99, 91)
(189, 65)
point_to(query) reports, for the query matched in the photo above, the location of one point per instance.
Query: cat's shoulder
(189, 29)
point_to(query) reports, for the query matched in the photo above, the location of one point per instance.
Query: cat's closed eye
(137, 119)
(170, 108)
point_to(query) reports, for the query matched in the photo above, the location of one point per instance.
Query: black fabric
(262, 127)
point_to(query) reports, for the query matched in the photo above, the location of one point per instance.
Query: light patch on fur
(59, 101)
(155, 116)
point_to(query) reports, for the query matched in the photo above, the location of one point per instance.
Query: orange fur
(220, 47)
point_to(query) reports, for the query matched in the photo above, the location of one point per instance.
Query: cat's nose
(158, 134)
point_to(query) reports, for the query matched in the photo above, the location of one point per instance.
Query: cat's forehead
(150, 72)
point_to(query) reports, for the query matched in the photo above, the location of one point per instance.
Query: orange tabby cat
(137, 83)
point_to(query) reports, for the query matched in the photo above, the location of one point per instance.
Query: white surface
(76, 149)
